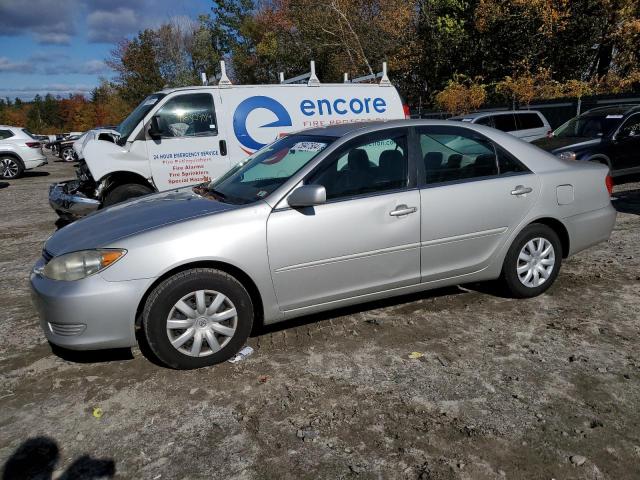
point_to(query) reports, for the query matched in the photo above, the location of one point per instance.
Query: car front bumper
(88, 314)
(65, 199)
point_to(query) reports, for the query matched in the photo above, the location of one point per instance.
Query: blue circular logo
(249, 105)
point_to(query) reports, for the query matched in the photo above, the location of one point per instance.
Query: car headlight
(78, 265)
(568, 155)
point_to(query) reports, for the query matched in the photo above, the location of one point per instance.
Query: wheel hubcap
(67, 155)
(201, 323)
(536, 262)
(8, 167)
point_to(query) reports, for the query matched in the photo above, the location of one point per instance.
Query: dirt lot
(542, 388)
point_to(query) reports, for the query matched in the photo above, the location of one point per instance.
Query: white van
(527, 125)
(185, 136)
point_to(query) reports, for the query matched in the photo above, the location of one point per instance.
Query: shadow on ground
(37, 458)
(35, 173)
(92, 356)
(4, 184)
(627, 202)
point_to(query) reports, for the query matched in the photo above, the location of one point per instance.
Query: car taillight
(32, 144)
(407, 112)
(608, 181)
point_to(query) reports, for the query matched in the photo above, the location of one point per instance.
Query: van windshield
(135, 117)
(266, 170)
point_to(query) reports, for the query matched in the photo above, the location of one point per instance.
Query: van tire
(125, 192)
(160, 308)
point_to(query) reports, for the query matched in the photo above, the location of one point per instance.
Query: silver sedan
(317, 220)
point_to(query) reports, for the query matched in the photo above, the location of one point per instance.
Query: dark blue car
(608, 135)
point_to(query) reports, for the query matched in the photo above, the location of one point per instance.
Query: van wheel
(10, 168)
(125, 192)
(197, 318)
(532, 262)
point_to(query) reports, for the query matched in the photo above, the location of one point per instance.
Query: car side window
(507, 163)
(372, 166)
(527, 121)
(456, 156)
(631, 127)
(189, 115)
(4, 134)
(505, 122)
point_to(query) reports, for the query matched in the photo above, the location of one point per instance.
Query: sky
(59, 46)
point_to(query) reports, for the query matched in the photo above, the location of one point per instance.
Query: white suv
(527, 125)
(19, 151)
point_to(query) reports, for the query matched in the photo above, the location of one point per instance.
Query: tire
(68, 155)
(527, 242)
(160, 308)
(10, 168)
(125, 192)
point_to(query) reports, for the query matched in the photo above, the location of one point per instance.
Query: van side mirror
(307, 196)
(154, 128)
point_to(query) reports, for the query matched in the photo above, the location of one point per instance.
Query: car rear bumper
(65, 198)
(38, 161)
(88, 314)
(590, 228)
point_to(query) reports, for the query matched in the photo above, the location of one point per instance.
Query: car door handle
(521, 190)
(402, 210)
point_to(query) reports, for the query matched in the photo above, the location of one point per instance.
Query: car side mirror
(307, 196)
(154, 128)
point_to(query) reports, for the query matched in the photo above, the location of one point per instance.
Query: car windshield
(589, 126)
(267, 169)
(134, 118)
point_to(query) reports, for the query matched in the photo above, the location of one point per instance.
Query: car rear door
(363, 240)
(473, 194)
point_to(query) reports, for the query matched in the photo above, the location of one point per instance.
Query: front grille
(47, 256)
(67, 329)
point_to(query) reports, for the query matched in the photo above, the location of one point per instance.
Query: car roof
(612, 110)
(474, 115)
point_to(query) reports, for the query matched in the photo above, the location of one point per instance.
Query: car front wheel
(533, 262)
(197, 318)
(68, 155)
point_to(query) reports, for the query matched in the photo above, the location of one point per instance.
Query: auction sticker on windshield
(309, 146)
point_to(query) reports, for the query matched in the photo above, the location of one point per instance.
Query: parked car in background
(184, 136)
(65, 148)
(528, 125)
(109, 134)
(607, 135)
(19, 151)
(320, 219)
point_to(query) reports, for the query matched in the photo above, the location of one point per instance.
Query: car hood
(556, 144)
(105, 227)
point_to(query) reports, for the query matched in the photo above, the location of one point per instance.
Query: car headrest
(358, 159)
(433, 160)
(391, 158)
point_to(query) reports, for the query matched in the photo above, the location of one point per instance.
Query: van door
(191, 147)
(530, 126)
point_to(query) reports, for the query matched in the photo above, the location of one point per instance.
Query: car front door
(626, 154)
(473, 195)
(191, 147)
(364, 239)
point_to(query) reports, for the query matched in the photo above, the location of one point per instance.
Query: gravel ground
(542, 388)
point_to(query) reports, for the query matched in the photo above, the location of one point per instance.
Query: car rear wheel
(10, 168)
(68, 155)
(533, 262)
(197, 318)
(125, 192)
